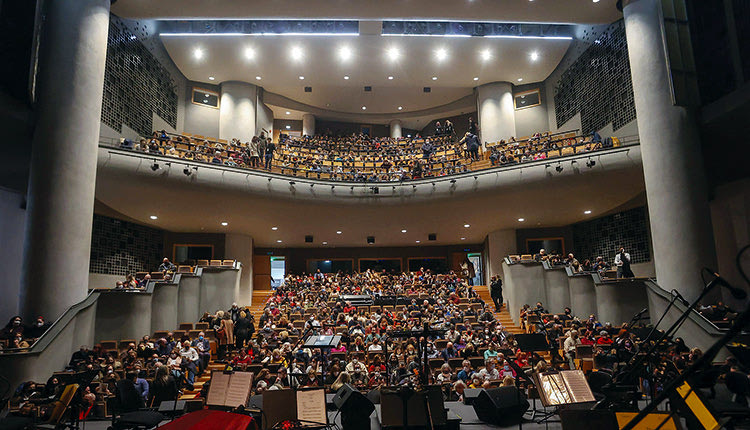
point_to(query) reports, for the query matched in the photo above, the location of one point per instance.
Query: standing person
(467, 269)
(473, 126)
(254, 152)
(241, 330)
(226, 340)
(270, 147)
(472, 145)
(164, 387)
(496, 292)
(449, 130)
(622, 261)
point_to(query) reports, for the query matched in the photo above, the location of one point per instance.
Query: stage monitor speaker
(471, 394)
(501, 406)
(418, 403)
(354, 406)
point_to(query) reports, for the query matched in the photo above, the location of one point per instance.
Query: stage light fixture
(155, 166)
(559, 168)
(590, 163)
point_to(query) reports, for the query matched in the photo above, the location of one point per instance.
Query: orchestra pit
(358, 214)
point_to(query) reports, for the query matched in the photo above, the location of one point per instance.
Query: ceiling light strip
(492, 36)
(254, 34)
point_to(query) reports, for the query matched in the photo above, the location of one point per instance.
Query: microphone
(737, 293)
(642, 311)
(679, 296)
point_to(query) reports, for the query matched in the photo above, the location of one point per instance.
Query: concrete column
(500, 243)
(63, 158)
(395, 126)
(240, 247)
(308, 124)
(672, 163)
(497, 118)
(237, 114)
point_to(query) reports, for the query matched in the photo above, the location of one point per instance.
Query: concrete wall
(12, 222)
(523, 283)
(499, 244)
(101, 280)
(163, 311)
(532, 119)
(202, 120)
(219, 288)
(582, 295)
(240, 248)
(265, 117)
(558, 290)
(189, 299)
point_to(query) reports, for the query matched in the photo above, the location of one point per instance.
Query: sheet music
(217, 393)
(554, 389)
(577, 385)
(311, 406)
(238, 390)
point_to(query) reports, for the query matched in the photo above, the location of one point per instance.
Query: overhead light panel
(274, 228)
(257, 78)
(476, 78)
(521, 219)
(211, 78)
(297, 54)
(534, 56)
(345, 53)
(249, 53)
(587, 212)
(224, 223)
(393, 53)
(154, 217)
(346, 78)
(400, 108)
(198, 53)
(441, 54)
(485, 55)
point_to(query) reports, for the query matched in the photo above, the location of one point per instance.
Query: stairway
(480, 164)
(504, 315)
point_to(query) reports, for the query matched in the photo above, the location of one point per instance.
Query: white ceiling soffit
(541, 11)
(250, 204)
(448, 66)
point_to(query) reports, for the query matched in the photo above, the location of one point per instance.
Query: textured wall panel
(603, 236)
(598, 83)
(136, 84)
(119, 247)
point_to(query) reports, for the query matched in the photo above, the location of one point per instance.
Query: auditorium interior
(391, 214)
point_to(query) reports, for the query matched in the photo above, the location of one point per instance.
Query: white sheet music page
(311, 406)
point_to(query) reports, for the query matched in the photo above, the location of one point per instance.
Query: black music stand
(325, 343)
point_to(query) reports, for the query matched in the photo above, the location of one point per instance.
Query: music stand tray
(322, 341)
(532, 342)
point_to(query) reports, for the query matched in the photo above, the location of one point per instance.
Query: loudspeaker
(354, 406)
(432, 236)
(308, 239)
(370, 240)
(471, 394)
(501, 406)
(392, 407)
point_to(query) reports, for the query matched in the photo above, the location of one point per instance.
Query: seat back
(202, 263)
(215, 263)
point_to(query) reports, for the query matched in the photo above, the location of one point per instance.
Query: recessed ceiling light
(520, 79)
(463, 238)
(274, 228)
(338, 231)
(345, 53)
(587, 212)
(211, 78)
(288, 113)
(441, 54)
(301, 78)
(225, 223)
(325, 243)
(249, 53)
(476, 78)
(403, 231)
(467, 225)
(417, 241)
(258, 78)
(346, 78)
(390, 78)
(288, 127)
(296, 53)
(434, 78)
(393, 53)
(485, 54)
(534, 56)
(400, 108)
(198, 53)
(278, 241)
(154, 217)
(595, 1)
(521, 219)
(364, 107)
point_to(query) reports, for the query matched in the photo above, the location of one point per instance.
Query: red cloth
(211, 420)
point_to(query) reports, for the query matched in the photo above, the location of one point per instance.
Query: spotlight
(453, 181)
(590, 163)
(186, 171)
(333, 187)
(559, 168)
(476, 177)
(414, 187)
(292, 183)
(269, 179)
(351, 188)
(547, 166)
(312, 185)
(394, 188)
(155, 166)
(433, 184)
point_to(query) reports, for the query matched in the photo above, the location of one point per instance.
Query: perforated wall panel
(120, 247)
(604, 236)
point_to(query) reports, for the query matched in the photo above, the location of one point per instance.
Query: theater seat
(215, 263)
(202, 263)
(184, 269)
(228, 263)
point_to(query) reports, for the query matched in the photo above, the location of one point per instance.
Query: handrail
(429, 180)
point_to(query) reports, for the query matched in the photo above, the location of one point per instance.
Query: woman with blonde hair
(225, 335)
(344, 378)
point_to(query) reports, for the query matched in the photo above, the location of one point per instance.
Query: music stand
(532, 342)
(325, 343)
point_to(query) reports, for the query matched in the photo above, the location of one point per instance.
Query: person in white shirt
(189, 361)
(357, 370)
(622, 261)
(569, 347)
(489, 373)
(375, 346)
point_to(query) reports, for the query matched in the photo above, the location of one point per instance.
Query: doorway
(278, 271)
(476, 260)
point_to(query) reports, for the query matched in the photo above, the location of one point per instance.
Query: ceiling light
(346, 78)
(249, 53)
(521, 219)
(364, 107)
(485, 55)
(154, 217)
(476, 78)
(400, 108)
(296, 53)
(520, 79)
(325, 243)
(534, 56)
(595, 1)
(441, 54)
(301, 78)
(278, 241)
(274, 228)
(345, 53)
(257, 78)
(211, 78)
(390, 78)
(434, 78)
(338, 231)
(288, 113)
(198, 54)
(463, 238)
(467, 225)
(587, 212)
(417, 241)
(288, 127)
(403, 231)
(393, 53)
(225, 223)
